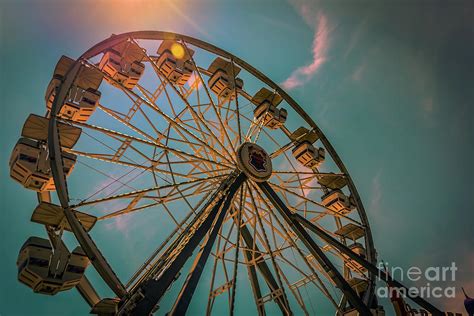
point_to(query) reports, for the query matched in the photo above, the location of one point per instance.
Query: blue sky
(390, 84)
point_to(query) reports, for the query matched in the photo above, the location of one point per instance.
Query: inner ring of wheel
(55, 149)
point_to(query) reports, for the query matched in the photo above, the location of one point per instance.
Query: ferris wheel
(246, 189)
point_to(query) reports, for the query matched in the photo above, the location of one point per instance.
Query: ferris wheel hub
(254, 161)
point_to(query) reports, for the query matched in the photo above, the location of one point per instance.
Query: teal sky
(389, 82)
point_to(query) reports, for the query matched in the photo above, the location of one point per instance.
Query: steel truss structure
(184, 139)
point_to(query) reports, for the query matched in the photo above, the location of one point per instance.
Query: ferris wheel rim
(55, 148)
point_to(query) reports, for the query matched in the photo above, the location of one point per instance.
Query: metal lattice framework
(174, 149)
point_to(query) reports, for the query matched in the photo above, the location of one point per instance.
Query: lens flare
(177, 50)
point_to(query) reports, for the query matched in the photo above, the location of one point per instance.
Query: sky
(390, 83)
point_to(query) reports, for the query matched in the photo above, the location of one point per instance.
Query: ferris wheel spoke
(295, 293)
(251, 216)
(170, 166)
(247, 120)
(211, 101)
(137, 107)
(125, 122)
(107, 158)
(281, 150)
(252, 275)
(204, 135)
(250, 131)
(278, 253)
(191, 175)
(142, 191)
(210, 167)
(133, 96)
(195, 166)
(257, 261)
(226, 105)
(112, 133)
(272, 257)
(312, 278)
(199, 120)
(114, 180)
(290, 238)
(196, 128)
(195, 147)
(161, 136)
(160, 201)
(149, 121)
(221, 255)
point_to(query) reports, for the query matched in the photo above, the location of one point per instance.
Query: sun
(177, 50)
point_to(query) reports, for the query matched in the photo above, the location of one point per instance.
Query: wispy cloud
(376, 193)
(304, 73)
(121, 223)
(356, 36)
(359, 72)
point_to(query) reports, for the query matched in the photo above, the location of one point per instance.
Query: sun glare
(177, 50)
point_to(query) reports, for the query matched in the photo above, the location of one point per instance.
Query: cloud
(358, 72)
(376, 193)
(320, 45)
(121, 223)
(356, 37)
(427, 105)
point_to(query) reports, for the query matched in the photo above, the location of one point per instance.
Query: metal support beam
(265, 271)
(254, 283)
(318, 254)
(366, 264)
(149, 294)
(184, 298)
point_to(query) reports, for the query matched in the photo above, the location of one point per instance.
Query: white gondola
(36, 127)
(358, 285)
(175, 62)
(221, 82)
(358, 249)
(267, 111)
(123, 64)
(35, 271)
(308, 155)
(332, 181)
(337, 201)
(29, 161)
(82, 98)
(30, 166)
(351, 231)
(53, 215)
